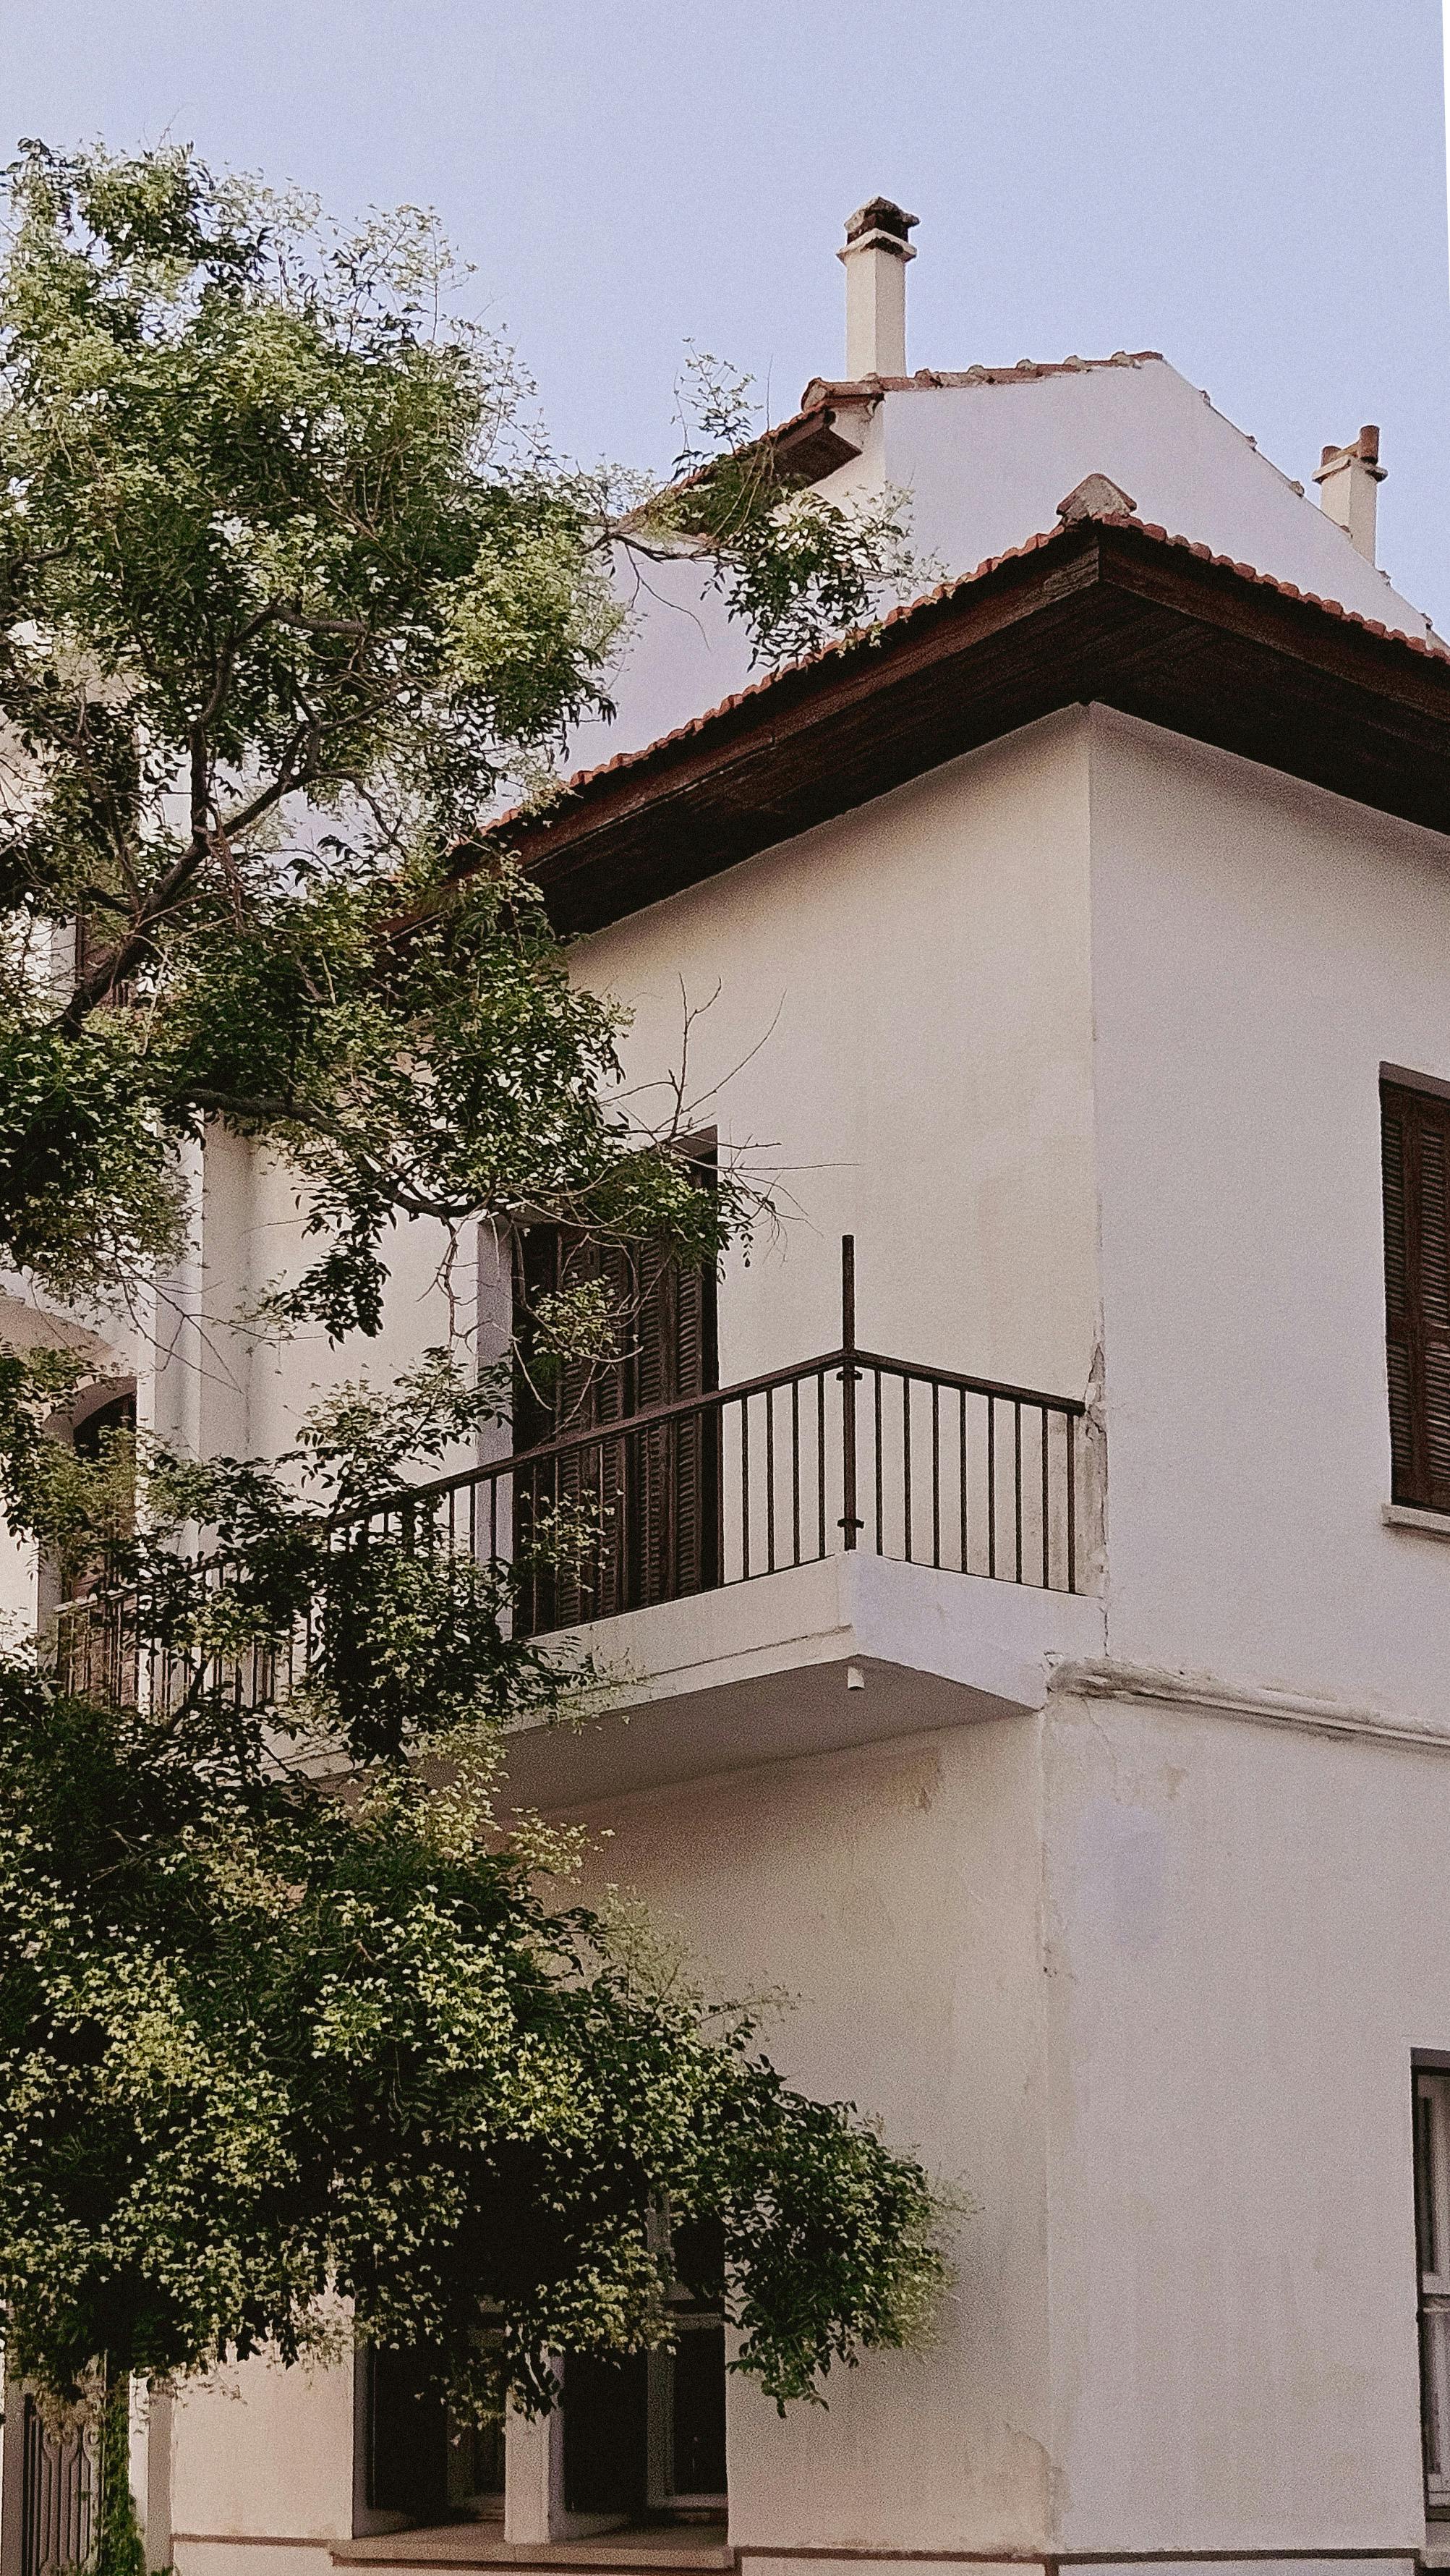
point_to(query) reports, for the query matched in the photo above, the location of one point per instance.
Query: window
(419, 2464)
(1432, 2231)
(102, 1434)
(1415, 1126)
(648, 1496)
(645, 2437)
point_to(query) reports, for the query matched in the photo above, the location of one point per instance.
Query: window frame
(1413, 1335)
(1430, 2130)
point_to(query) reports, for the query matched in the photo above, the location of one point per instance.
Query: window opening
(421, 2463)
(644, 2437)
(1415, 1130)
(1432, 2232)
(645, 1503)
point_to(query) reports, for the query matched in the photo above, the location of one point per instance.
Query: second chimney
(1349, 479)
(875, 255)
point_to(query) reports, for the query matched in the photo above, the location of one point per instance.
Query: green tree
(291, 592)
(292, 595)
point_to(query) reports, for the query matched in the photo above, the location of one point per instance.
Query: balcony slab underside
(816, 1658)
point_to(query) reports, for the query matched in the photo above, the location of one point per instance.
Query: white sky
(1256, 187)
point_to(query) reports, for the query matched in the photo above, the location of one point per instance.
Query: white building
(1083, 952)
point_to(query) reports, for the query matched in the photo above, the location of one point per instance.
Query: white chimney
(1349, 480)
(875, 256)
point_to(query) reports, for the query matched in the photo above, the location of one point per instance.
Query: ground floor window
(640, 2439)
(644, 2438)
(1432, 2227)
(420, 2464)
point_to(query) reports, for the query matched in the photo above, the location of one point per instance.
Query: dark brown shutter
(1416, 1148)
(654, 1488)
(697, 1436)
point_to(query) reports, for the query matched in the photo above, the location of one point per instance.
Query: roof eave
(1105, 611)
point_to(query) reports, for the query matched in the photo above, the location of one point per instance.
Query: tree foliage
(291, 589)
(286, 2019)
(291, 594)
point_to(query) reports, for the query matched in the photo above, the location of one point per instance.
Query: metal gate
(60, 2496)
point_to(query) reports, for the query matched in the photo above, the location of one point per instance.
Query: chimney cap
(1365, 449)
(881, 216)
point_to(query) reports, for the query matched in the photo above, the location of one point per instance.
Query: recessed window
(645, 1499)
(644, 2438)
(1415, 1128)
(1432, 2228)
(420, 2464)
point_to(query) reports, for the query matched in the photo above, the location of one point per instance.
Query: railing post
(849, 1523)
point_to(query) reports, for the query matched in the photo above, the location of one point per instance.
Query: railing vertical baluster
(1045, 1522)
(606, 1523)
(935, 1474)
(849, 1522)
(718, 1573)
(745, 1488)
(992, 1486)
(646, 1537)
(821, 1460)
(880, 1479)
(906, 1468)
(795, 1470)
(1017, 1478)
(621, 1527)
(962, 1473)
(1070, 1428)
(770, 1480)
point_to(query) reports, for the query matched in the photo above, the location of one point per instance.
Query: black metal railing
(849, 1450)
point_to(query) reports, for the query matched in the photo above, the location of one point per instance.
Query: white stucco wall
(851, 1882)
(258, 1380)
(894, 1894)
(1080, 1034)
(1247, 1937)
(986, 465)
(1259, 948)
(262, 2453)
(902, 1034)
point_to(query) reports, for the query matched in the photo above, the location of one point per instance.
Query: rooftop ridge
(930, 379)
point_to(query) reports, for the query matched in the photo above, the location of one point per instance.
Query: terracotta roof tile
(930, 379)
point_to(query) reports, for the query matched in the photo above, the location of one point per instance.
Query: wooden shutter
(1416, 1147)
(578, 1398)
(654, 1488)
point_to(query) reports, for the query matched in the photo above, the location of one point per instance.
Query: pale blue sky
(1256, 187)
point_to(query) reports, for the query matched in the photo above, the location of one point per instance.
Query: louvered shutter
(697, 1443)
(585, 1478)
(1416, 1156)
(653, 1489)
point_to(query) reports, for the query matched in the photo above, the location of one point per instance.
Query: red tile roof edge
(864, 636)
(931, 379)
(841, 398)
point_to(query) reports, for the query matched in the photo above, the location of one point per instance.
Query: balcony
(851, 1547)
